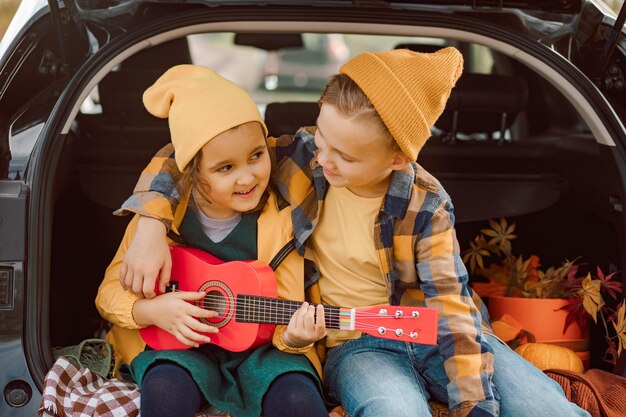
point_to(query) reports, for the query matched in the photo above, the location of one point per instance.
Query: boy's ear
(400, 161)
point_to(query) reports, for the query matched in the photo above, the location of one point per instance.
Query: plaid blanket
(70, 391)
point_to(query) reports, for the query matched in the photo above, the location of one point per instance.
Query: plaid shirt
(419, 257)
(416, 243)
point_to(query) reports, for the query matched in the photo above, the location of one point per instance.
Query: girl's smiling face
(235, 170)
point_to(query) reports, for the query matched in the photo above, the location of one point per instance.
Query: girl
(218, 139)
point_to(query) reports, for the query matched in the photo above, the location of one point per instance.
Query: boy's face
(352, 154)
(236, 166)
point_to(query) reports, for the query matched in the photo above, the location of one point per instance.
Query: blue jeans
(373, 377)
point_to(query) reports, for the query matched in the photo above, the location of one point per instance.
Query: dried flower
(620, 328)
(516, 276)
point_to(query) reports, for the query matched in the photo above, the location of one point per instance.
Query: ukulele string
(276, 302)
(286, 312)
(256, 302)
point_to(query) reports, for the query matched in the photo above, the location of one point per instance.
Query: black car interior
(508, 145)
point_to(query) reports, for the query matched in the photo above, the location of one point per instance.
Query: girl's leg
(374, 377)
(293, 395)
(168, 390)
(525, 391)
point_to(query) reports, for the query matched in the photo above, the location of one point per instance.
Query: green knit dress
(233, 382)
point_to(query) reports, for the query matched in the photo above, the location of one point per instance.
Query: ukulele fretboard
(266, 310)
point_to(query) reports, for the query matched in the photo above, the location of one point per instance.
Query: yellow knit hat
(408, 89)
(200, 104)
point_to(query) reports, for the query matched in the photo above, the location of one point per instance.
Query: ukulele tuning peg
(399, 313)
(413, 335)
(382, 311)
(382, 330)
(399, 332)
(415, 314)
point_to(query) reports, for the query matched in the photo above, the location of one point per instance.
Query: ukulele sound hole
(219, 297)
(215, 301)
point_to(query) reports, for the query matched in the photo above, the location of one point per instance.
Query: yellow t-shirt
(343, 243)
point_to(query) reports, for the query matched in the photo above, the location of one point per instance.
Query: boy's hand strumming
(305, 327)
(147, 259)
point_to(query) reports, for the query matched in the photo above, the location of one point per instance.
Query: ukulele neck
(266, 310)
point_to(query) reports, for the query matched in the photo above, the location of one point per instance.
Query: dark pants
(168, 390)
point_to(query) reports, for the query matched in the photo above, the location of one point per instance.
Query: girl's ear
(400, 160)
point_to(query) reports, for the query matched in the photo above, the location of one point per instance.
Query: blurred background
(7, 10)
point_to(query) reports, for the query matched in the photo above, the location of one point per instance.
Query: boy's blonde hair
(345, 95)
(408, 89)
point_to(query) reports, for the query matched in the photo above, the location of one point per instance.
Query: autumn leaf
(519, 274)
(612, 287)
(592, 299)
(506, 328)
(532, 274)
(575, 313)
(620, 328)
(475, 253)
(501, 234)
(568, 273)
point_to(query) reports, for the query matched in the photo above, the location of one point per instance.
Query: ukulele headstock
(403, 323)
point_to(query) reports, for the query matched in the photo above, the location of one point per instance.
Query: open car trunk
(518, 150)
(526, 135)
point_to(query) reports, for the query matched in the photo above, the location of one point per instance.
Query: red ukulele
(244, 295)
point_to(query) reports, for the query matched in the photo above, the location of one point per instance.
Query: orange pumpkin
(545, 356)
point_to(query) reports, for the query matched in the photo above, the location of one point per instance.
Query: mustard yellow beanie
(200, 104)
(408, 89)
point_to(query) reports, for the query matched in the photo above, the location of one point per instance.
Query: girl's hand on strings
(174, 313)
(147, 259)
(306, 326)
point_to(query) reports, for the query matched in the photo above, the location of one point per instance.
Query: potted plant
(562, 298)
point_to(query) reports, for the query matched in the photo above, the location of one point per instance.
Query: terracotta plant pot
(542, 318)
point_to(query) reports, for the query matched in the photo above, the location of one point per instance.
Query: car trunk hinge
(608, 49)
(61, 17)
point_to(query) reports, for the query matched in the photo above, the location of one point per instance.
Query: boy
(380, 229)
